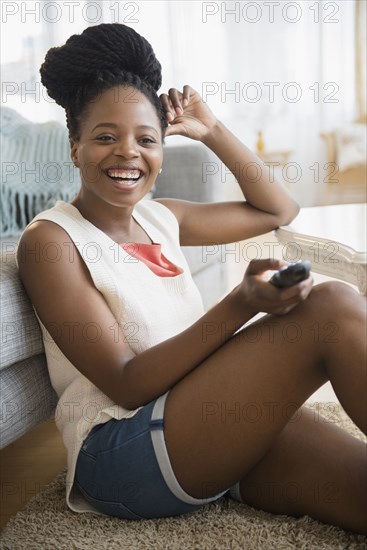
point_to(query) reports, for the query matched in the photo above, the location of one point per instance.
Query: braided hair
(100, 58)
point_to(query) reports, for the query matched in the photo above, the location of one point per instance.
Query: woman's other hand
(187, 114)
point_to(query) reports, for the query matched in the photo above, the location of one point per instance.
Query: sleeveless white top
(148, 309)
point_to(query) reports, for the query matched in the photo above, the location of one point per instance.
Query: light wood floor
(27, 465)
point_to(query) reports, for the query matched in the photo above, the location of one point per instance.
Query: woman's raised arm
(267, 203)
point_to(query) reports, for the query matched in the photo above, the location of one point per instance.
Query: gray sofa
(27, 397)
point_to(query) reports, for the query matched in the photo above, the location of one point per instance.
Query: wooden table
(333, 238)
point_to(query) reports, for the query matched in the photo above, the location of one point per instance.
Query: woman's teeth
(124, 175)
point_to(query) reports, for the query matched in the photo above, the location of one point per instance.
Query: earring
(160, 171)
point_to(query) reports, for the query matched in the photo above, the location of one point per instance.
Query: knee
(335, 296)
(334, 290)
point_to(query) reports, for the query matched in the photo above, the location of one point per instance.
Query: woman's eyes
(104, 138)
(108, 139)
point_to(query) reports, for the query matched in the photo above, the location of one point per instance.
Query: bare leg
(224, 417)
(313, 468)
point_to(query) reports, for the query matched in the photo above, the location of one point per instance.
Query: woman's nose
(126, 148)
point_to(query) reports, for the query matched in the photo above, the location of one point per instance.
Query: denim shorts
(123, 469)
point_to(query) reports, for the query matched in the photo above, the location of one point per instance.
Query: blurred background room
(289, 78)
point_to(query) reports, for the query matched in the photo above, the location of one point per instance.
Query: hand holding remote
(257, 295)
(291, 274)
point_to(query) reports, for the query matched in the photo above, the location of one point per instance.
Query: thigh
(222, 417)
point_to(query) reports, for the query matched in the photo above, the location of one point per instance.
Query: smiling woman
(149, 375)
(115, 121)
(119, 153)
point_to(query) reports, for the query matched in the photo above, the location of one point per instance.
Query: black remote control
(291, 274)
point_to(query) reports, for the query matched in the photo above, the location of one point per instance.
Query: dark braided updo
(102, 57)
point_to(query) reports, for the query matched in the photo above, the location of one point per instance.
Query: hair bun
(109, 48)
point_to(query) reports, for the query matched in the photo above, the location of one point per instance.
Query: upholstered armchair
(346, 172)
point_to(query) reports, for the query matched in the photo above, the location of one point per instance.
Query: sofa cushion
(20, 332)
(192, 172)
(27, 398)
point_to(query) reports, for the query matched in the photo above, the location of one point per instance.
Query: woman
(157, 397)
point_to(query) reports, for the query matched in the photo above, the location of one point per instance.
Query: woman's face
(120, 150)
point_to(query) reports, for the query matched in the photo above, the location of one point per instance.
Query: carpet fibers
(47, 524)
